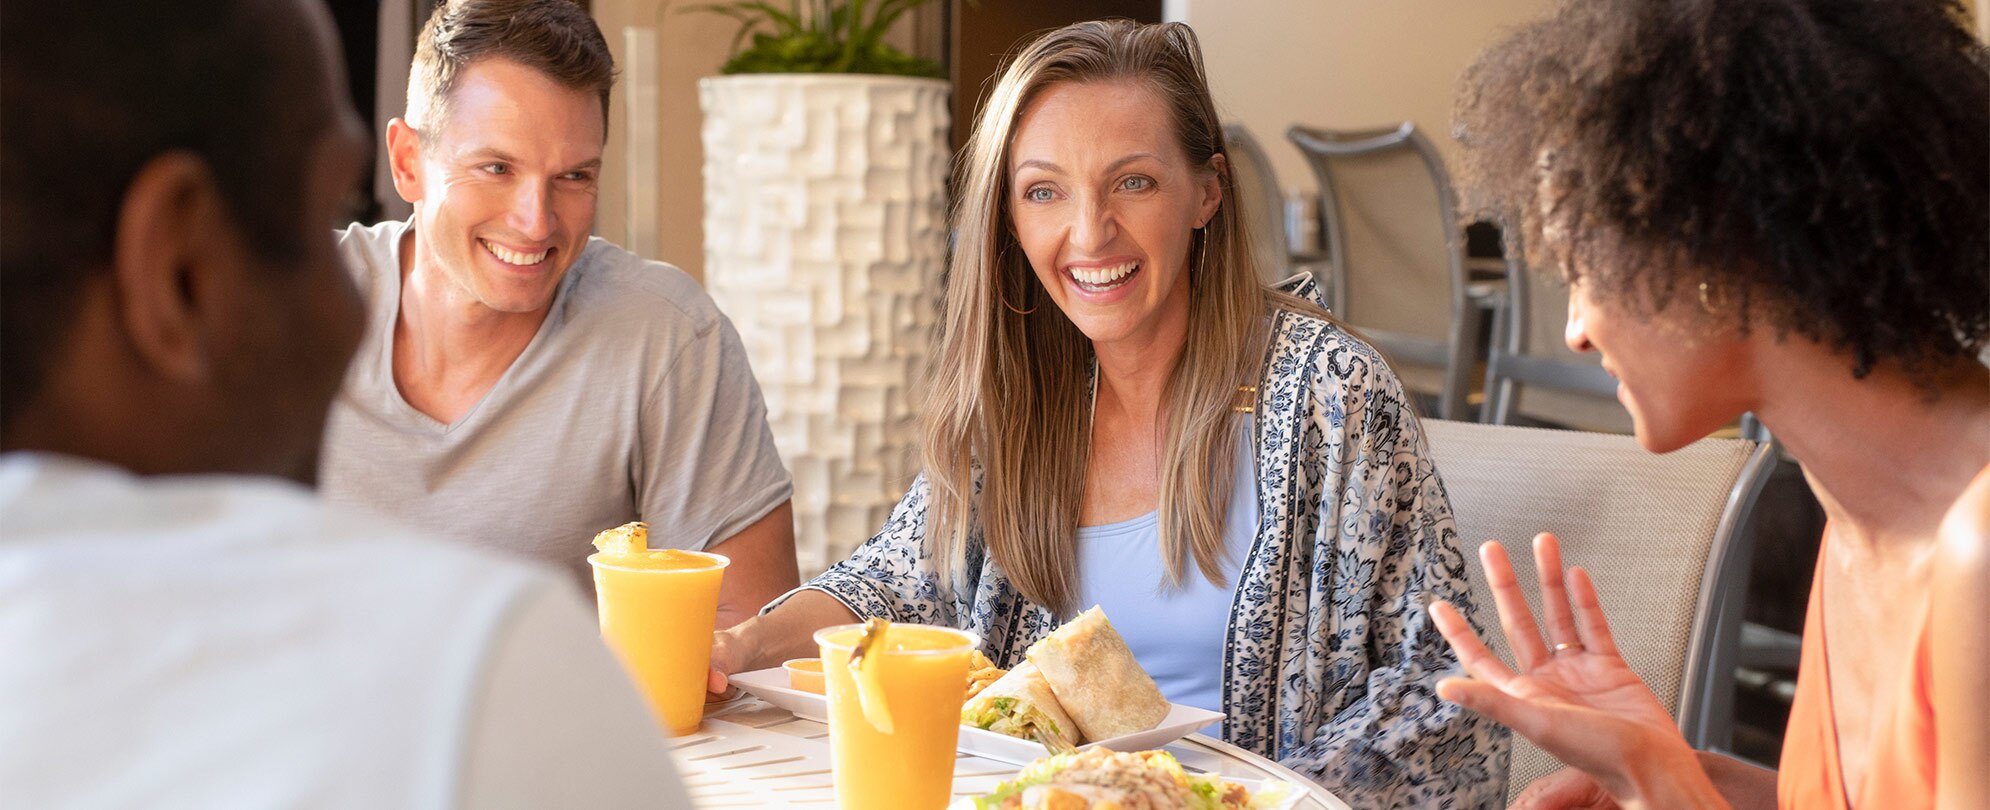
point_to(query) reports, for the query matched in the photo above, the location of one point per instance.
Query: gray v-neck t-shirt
(633, 402)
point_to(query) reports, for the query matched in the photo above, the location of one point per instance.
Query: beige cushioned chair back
(1397, 260)
(1392, 210)
(1643, 525)
(1259, 202)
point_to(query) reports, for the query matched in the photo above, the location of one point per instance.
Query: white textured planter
(825, 236)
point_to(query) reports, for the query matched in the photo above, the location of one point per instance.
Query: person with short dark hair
(523, 385)
(1779, 207)
(182, 624)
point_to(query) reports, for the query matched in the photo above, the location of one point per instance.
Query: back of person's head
(1822, 164)
(555, 37)
(144, 145)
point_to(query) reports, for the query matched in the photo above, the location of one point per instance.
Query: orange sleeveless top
(1900, 765)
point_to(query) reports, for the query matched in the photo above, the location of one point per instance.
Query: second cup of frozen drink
(657, 614)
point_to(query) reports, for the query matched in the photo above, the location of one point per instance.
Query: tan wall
(1342, 64)
(1273, 63)
(1355, 63)
(689, 47)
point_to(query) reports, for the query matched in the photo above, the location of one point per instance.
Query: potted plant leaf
(821, 37)
(826, 155)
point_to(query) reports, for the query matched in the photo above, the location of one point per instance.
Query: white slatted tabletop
(751, 754)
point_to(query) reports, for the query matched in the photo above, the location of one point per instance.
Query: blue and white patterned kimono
(1331, 662)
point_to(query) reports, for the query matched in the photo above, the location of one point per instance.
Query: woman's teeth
(514, 257)
(1097, 278)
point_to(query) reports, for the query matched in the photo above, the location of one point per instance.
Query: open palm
(1577, 700)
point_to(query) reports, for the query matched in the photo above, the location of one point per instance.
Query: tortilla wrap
(1096, 679)
(1018, 703)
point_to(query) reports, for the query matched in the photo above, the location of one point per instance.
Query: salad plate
(1139, 778)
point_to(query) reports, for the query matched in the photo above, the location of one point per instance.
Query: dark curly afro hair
(1824, 164)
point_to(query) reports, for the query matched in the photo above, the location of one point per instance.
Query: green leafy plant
(828, 36)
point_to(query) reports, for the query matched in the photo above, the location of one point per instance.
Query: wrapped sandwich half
(1096, 679)
(1021, 704)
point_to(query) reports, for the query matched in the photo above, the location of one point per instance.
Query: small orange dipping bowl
(804, 674)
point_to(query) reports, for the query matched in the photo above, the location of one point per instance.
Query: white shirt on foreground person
(229, 641)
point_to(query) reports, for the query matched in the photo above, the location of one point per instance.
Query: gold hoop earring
(1707, 304)
(1001, 261)
(1202, 250)
(1004, 298)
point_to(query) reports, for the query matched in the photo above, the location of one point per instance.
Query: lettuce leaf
(1042, 771)
(1033, 774)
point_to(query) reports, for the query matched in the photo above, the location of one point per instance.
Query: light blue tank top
(1176, 633)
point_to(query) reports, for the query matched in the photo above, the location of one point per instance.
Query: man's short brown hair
(555, 37)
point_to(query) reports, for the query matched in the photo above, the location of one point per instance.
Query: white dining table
(749, 753)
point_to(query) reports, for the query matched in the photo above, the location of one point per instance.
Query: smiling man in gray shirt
(522, 385)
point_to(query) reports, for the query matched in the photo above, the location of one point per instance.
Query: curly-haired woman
(1777, 206)
(1120, 414)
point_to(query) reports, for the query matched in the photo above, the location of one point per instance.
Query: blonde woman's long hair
(1010, 388)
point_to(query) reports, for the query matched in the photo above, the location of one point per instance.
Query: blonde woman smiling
(1121, 415)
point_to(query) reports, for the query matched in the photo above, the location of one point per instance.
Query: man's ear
(166, 233)
(404, 159)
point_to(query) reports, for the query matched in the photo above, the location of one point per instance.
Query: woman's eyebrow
(1035, 163)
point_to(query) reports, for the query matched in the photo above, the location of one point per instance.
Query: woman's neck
(1134, 370)
(1886, 455)
(1134, 373)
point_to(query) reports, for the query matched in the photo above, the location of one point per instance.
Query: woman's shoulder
(1958, 649)
(1310, 343)
(1314, 333)
(1302, 325)
(1965, 530)
(1962, 558)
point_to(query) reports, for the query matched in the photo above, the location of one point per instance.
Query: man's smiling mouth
(513, 257)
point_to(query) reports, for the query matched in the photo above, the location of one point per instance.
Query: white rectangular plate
(771, 685)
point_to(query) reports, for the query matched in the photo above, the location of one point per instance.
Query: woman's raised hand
(1572, 694)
